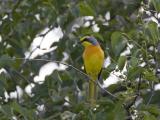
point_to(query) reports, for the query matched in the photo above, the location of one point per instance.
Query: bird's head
(88, 40)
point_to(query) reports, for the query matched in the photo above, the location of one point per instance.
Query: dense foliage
(119, 25)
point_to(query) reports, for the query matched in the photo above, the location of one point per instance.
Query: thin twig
(40, 35)
(99, 85)
(152, 93)
(60, 62)
(44, 34)
(21, 76)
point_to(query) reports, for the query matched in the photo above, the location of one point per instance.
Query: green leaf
(6, 110)
(152, 31)
(118, 43)
(121, 62)
(5, 60)
(148, 116)
(150, 111)
(149, 75)
(85, 9)
(134, 61)
(134, 72)
(153, 109)
(106, 72)
(120, 115)
(156, 4)
(27, 114)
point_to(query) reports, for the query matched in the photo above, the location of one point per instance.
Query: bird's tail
(92, 91)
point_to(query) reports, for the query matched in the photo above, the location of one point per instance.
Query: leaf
(153, 109)
(150, 111)
(121, 62)
(5, 60)
(134, 61)
(27, 114)
(120, 115)
(148, 116)
(85, 9)
(153, 28)
(6, 110)
(98, 36)
(134, 72)
(155, 98)
(152, 31)
(156, 4)
(118, 43)
(106, 72)
(149, 75)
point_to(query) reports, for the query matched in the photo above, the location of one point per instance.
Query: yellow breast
(93, 57)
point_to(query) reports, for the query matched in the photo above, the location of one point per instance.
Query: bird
(93, 58)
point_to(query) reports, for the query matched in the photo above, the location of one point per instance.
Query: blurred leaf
(6, 109)
(121, 62)
(134, 61)
(152, 31)
(117, 115)
(85, 9)
(153, 109)
(5, 60)
(155, 98)
(40, 91)
(149, 75)
(156, 4)
(134, 72)
(148, 116)
(106, 72)
(118, 43)
(27, 114)
(150, 112)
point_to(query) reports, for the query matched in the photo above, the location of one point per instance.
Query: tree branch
(60, 62)
(152, 93)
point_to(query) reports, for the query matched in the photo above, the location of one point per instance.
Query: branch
(82, 73)
(44, 34)
(152, 93)
(107, 92)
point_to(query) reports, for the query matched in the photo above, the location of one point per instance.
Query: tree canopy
(128, 31)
